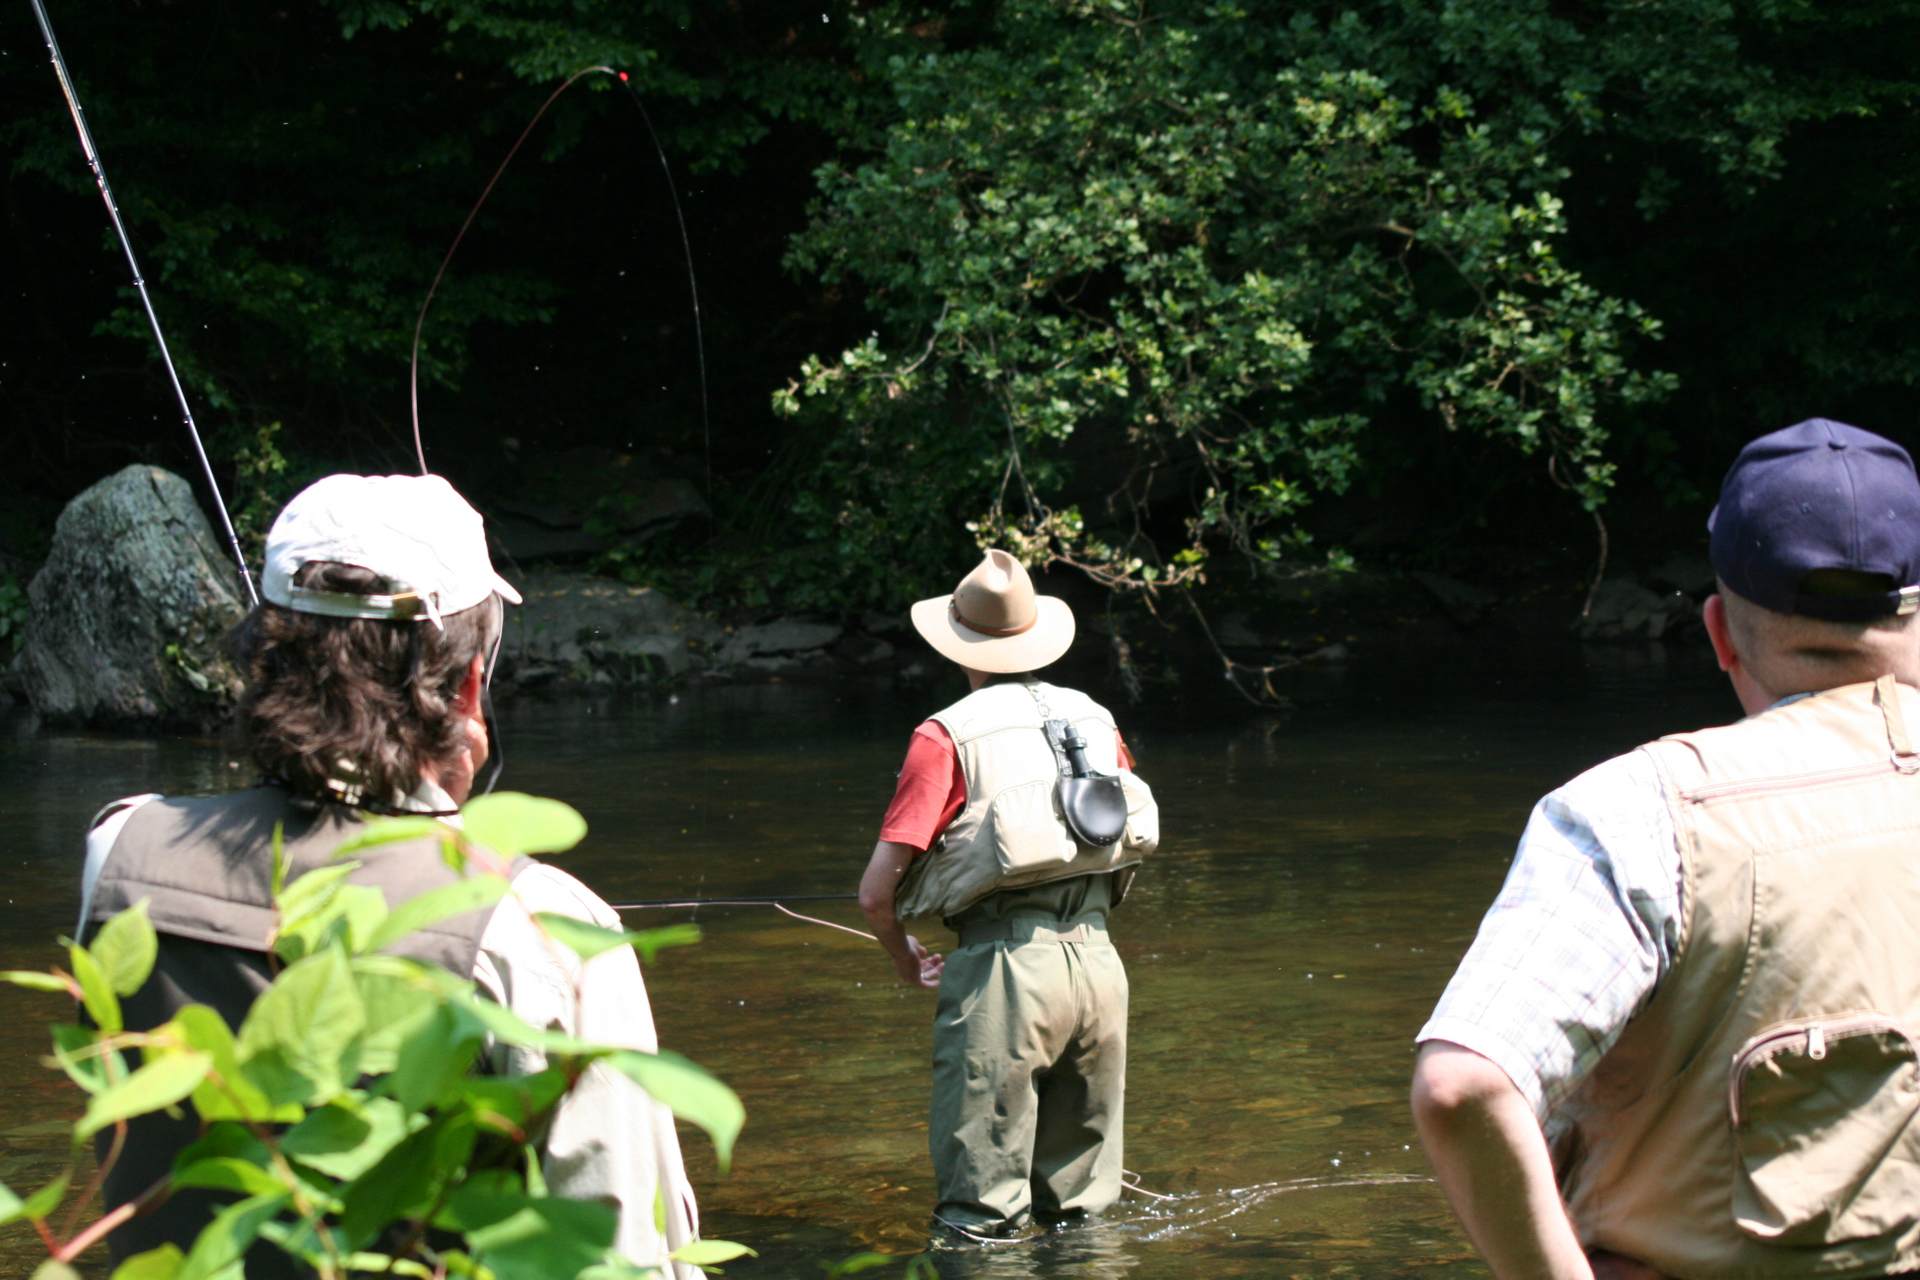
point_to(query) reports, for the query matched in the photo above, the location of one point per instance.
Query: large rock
(579, 629)
(128, 617)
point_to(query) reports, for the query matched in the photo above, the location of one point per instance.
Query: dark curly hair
(354, 708)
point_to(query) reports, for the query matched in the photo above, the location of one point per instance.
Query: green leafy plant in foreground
(342, 1116)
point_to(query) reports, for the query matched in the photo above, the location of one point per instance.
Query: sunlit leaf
(379, 831)
(36, 980)
(344, 1143)
(651, 942)
(529, 1237)
(96, 992)
(230, 1096)
(10, 1204)
(711, 1253)
(435, 905)
(44, 1201)
(159, 1083)
(228, 1174)
(155, 1264)
(512, 823)
(52, 1270)
(126, 947)
(584, 939)
(223, 1242)
(405, 1183)
(77, 1051)
(689, 1091)
(435, 1056)
(300, 1040)
(351, 913)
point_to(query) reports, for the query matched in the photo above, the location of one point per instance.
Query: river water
(1320, 874)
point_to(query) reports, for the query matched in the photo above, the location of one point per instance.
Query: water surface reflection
(1322, 873)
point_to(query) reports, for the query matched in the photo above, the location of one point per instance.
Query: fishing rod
(686, 248)
(140, 284)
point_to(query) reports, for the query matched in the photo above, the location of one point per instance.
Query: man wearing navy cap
(1682, 1043)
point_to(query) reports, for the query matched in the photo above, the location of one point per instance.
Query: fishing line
(778, 904)
(140, 285)
(686, 246)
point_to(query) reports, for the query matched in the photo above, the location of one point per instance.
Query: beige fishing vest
(1010, 832)
(1758, 1117)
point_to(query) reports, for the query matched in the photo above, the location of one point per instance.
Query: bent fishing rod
(146, 300)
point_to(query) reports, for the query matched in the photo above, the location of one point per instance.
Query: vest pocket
(1143, 817)
(1028, 833)
(1823, 1128)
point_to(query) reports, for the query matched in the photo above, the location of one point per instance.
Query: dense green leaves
(510, 824)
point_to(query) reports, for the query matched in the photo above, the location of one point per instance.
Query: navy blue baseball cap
(1816, 496)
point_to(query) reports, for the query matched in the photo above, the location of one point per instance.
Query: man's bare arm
(915, 965)
(1491, 1159)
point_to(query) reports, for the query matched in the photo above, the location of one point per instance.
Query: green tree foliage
(342, 1117)
(1157, 275)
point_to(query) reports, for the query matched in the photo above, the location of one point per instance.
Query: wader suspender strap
(1886, 692)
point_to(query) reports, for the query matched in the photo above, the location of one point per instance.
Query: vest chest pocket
(1827, 1149)
(1028, 834)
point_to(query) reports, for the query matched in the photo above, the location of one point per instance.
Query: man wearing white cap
(366, 672)
(1030, 1034)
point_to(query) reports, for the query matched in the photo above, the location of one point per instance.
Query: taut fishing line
(140, 285)
(686, 247)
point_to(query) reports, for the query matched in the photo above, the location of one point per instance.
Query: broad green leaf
(51, 1270)
(689, 1091)
(435, 1056)
(223, 1242)
(344, 1143)
(44, 1201)
(300, 1041)
(226, 1094)
(10, 1204)
(126, 947)
(711, 1253)
(226, 1173)
(155, 1264)
(651, 942)
(517, 1100)
(36, 980)
(313, 889)
(399, 995)
(351, 913)
(77, 1051)
(378, 831)
(387, 1265)
(156, 1084)
(521, 1236)
(512, 823)
(224, 1141)
(580, 937)
(96, 992)
(404, 1184)
(435, 905)
(509, 1028)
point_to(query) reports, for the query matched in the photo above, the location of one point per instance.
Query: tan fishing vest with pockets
(205, 867)
(1010, 832)
(1761, 1115)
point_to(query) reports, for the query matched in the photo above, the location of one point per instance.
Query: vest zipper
(1729, 790)
(1811, 1038)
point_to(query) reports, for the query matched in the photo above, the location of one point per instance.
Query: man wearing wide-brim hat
(1030, 1033)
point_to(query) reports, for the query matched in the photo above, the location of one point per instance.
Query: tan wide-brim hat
(994, 622)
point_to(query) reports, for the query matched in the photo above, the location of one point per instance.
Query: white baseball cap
(414, 531)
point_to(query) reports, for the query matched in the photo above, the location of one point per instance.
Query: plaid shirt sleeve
(1586, 924)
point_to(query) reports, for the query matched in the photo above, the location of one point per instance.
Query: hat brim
(1050, 636)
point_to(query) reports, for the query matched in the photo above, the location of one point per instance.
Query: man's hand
(916, 966)
(913, 963)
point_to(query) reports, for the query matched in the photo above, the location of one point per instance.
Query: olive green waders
(1030, 1059)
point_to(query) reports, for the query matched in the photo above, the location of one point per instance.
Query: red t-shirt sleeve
(931, 791)
(1120, 747)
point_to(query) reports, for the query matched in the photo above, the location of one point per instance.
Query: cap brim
(1050, 636)
(505, 590)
